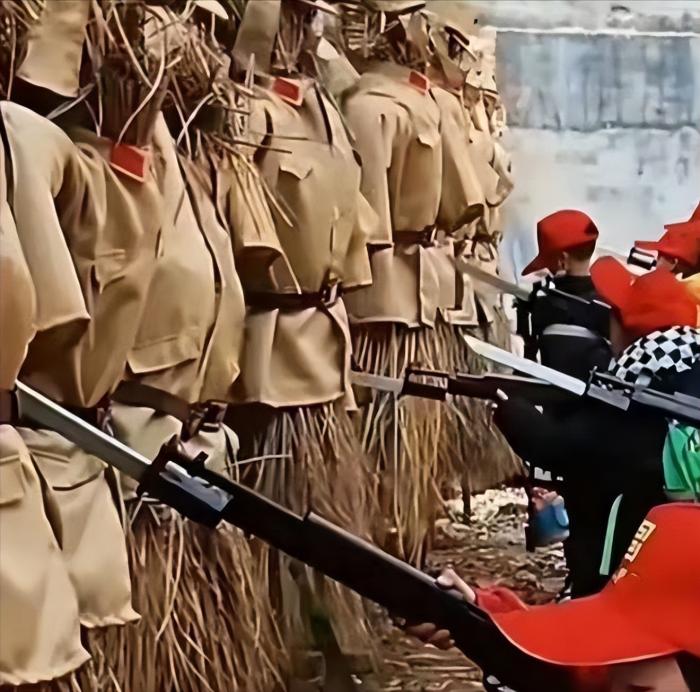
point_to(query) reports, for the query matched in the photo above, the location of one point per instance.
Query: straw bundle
(420, 447)
(207, 623)
(15, 19)
(311, 458)
(206, 620)
(371, 34)
(130, 80)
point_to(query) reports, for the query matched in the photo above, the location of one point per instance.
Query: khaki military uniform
(396, 124)
(39, 625)
(461, 194)
(492, 166)
(190, 338)
(109, 261)
(188, 348)
(297, 351)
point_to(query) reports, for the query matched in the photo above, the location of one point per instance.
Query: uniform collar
(292, 90)
(401, 73)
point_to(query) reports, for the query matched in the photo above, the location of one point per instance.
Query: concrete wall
(604, 111)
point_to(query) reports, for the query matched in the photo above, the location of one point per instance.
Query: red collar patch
(130, 160)
(288, 90)
(419, 81)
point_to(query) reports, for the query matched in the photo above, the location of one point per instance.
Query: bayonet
(530, 367)
(601, 387)
(493, 280)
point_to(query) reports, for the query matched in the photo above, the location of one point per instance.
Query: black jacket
(602, 452)
(575, 356)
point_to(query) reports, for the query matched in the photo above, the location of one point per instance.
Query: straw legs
(304, 458)
(421, 447)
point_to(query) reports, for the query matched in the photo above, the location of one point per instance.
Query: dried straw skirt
(206, 620)
(421, 447)
(310, 458)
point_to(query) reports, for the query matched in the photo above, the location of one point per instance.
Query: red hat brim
(652, 245)
(585, 632)
(540, 262)
(612, 281)
(691, 227)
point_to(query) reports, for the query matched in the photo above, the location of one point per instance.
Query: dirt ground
(488, 548)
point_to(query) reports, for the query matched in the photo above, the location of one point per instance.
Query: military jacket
(112, 256)
(461, 193)
(492, 165)
(311, 240)
(181, 304)
(221, 358)
(396, 123)
(59, 201)
(17, 296)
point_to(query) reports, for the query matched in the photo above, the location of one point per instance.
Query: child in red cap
(564, 335)
(641, 633)
(679, 251)
(566, 241)
(612, 460)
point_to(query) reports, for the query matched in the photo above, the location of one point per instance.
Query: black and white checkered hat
(675, 349)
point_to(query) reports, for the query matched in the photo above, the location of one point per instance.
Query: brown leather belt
(490, 241)
(194, 418)
(325, 298)
(206, 417)
(426, 237)
(94, 415)
(8, 407)
(137, 394)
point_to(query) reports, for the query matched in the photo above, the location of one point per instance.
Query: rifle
(640, 258)
(209, 498)
(437, 385)
(600, 387)
(540, 386)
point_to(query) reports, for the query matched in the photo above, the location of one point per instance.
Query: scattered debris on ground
(487, 548)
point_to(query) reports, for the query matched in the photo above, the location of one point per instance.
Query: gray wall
(604, 109)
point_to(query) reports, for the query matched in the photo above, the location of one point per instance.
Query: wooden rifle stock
(432, 384)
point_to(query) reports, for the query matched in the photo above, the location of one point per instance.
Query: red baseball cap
(561, 231)
(650, 608)
(681, 241)
(656, 300)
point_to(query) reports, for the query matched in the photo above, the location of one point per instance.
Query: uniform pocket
(64, 473)
(429, 138)
(164, 353)
(109, 267)
(297, 166)
(11, 480)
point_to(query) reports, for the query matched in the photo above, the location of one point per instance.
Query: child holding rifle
(639, 634)
(612, 460)
(564, 335)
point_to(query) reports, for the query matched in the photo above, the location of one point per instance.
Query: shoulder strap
(574, 330)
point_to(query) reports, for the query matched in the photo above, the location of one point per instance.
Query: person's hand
(427, 631)
(501, 396)
(541, 498)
